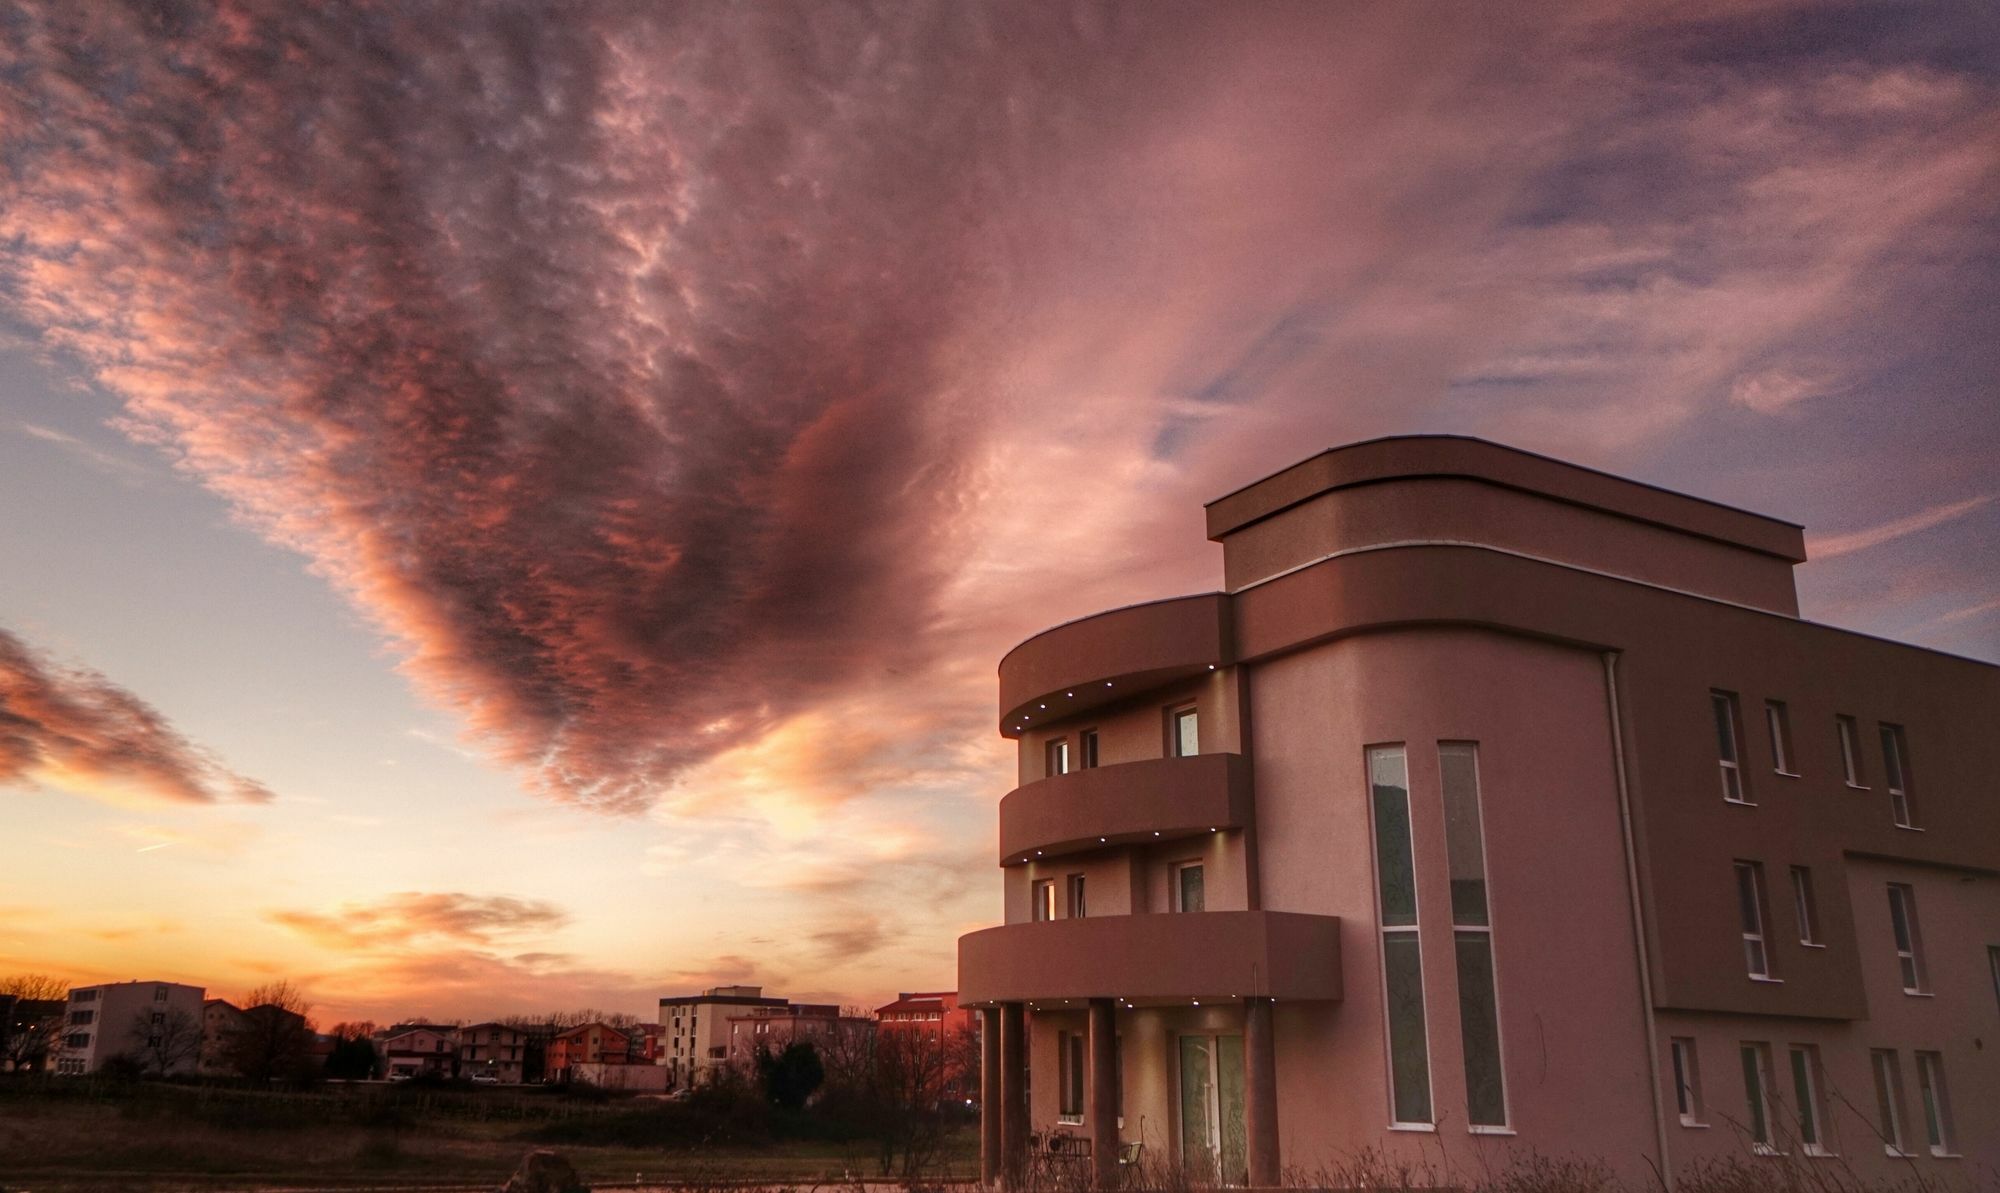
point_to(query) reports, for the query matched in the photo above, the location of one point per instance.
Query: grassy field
(78, 1135)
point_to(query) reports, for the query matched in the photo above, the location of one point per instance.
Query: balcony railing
(1157, 799)
(1163, 957)
(1099, 659)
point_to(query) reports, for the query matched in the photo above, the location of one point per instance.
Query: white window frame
(1896, 775)
(1849, 731)
(1055, 757)
(1810, 1107)
(1183, 715)
(1729, 747)
(1687, 1080)
(1388, 931)
(1887, 1070)
(1042, 899)
(1805, 907)
(1756, 937)
(1936, 1097)
(1485, 928)
(1908, 938)
(1761, 1104)
(1779, 719)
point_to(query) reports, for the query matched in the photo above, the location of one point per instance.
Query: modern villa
(1494, 805)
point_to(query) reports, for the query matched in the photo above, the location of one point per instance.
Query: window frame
(1729, 747)
(1074, 895)
(1935, 1094)
(1886, 1070)
(1086, 749)
(1177, 714)
(1848, 730)
(1896, 776)
(1042, 900)
(1472, 922)
(1758, 1082)
(1908, 938)
(1686, 1059)
(1754, 901)
(1808, 1099)
(1055, 757)
(1070, 1078)
(1805, 907)
(1399, 931)
(1778, 719)
(1176, 892)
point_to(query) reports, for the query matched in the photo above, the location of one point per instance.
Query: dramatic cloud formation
(76, 730)
(414, 917)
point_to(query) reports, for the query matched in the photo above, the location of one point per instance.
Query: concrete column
(1104, 1092)
(1260, 1091)
(989, 1096)
(1013, 1093)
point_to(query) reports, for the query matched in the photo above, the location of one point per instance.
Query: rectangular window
(1993, 963)
(1687, 1081)
(1057, 759)
(1850, 750)
(1806, 1101)
(1889, 1100)
(159, 994)
(1069, 1075)
(1937, 1103)
(1086, 743)
(1076, 905)
(1780, 723)
(1472, 936)
(81, 1018)
(1184, 732)
(1045, 899)
(1804, 906)
(1750, 908)
(1909, 941)
(1757, 1093)
(1896, 773)
(1402, 956)
(1727, 755)
(1188, 891)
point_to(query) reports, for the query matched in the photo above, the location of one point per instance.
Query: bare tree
(35, 1024)
(274, 1039)
(164, 1042)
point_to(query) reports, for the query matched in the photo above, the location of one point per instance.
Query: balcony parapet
(1126, 803)
(1158, 958)
(1095, 660)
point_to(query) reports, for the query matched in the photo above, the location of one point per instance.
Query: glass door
(1212, 1134)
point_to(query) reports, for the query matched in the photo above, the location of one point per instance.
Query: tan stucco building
(1494, 805)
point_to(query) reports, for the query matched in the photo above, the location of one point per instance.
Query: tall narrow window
(1687, 1081)
(1086, 743)
(1805, 907)
(1076, 904)
(1896, 773)
(1184, 732)
(1889, 1101)
(1909, 941)
(1402, 956)
(1937, 1103)
(1750, 907)
(1069, 1046)
(1993, 963)
(1780, 723)
(1757, 1093)
(1727, 753)
(1045, 899)
(1189, 887)
(1058, 757)
(1850, 750)
(1472, 936)
(1806, 1101)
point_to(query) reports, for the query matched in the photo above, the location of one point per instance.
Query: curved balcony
(1094, 660)
(1156, 958)
(1159, 798)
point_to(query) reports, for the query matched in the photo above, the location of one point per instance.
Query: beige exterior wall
(115, 1010)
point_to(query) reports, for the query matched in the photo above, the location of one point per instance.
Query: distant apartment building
(492, 1050)
(694, 1028)
(1495, 806)
(586, 1044)
(935, 1017)
(418, 1050)
(771, 1029)
(127, 1019)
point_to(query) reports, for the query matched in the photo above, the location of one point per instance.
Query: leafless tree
(35, 1031)
(164, 1042)
(274, 1039)
(902, 1086)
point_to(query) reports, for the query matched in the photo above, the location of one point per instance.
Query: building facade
(492, 1050)
(933, 1019)
(694, 1029)
(1493, 806)
(419, 1050)
(156, 1023)
(771, 1029)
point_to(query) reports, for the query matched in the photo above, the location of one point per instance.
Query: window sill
(1767, 979)
(1420, 1128)
(1858, 787)
(1693, 1124)
(1787, 774)
(1811, 944)
(1482, 1130)
(1896, 1153)
(1819, 1153)
(1765, 1149)
(1741, 803)
(1069, 1120)
(1918, 994)
(1941, 1154)
(1910, 828)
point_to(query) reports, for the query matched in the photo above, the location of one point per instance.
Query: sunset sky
(505, 508)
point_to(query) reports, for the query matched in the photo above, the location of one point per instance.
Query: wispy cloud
(73, 729)
(131, 472)
(1834, 546)
(411, 917)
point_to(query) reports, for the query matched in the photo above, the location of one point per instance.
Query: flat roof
(1400, 457)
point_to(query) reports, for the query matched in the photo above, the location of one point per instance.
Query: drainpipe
(1638, 915)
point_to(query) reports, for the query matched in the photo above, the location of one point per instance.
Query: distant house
(220, 1020)
(425, 1050)
(124, 1019)
(771, 1029)
(935, 1016)
(585, 1044)
(492, 1050)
